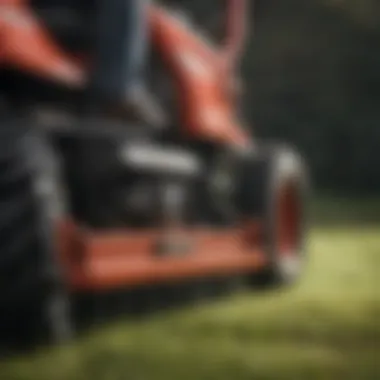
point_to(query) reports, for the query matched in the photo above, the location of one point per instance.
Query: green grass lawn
(328, 327)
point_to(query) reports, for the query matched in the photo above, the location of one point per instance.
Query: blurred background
(311, 77)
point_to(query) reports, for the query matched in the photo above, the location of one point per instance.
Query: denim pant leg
(120, 47)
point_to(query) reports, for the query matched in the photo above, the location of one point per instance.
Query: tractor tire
(33, 301)
(273, 194)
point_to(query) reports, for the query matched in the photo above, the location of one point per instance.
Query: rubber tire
(263, 175)
(33, 299)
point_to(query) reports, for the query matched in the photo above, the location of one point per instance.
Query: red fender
(25, 45)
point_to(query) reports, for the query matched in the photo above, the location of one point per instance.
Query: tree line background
(312, 77)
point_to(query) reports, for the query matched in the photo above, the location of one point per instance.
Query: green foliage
(312, 75)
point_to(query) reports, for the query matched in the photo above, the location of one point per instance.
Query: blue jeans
(120, 47)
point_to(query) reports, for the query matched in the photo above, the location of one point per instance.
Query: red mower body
(204, 79)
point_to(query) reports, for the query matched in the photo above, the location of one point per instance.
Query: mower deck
(107, 260)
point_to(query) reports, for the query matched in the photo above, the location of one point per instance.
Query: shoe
(140, 106)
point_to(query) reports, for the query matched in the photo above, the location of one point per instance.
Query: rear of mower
(253, 223)
(189, 223)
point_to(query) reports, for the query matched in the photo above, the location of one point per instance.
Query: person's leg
(120, 46)
(120, 55)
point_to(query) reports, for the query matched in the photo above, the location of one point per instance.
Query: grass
(327, 327)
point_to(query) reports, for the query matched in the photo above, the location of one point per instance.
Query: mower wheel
(33, 302)
(273, 196)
